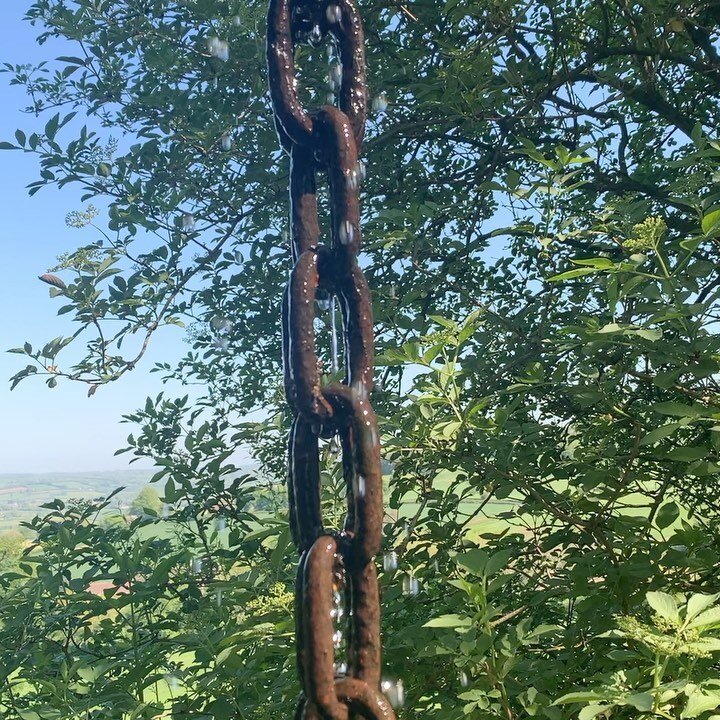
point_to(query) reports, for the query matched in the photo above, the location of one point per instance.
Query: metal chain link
(329, 140)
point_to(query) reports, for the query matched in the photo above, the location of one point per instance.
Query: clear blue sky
(41, 429)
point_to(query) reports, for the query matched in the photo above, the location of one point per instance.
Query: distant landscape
(22, 495)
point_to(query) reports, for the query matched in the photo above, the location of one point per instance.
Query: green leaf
(497, 561)
(664, 605)
(570, 274)
(676, 409)
(581, 696)
(473, 560)
(687, 454)
(51, 127)
(592, 711)
(708, 618)
(653, 335)
(667, 514)
(711, 222)
(700, 702)
(659, 433)
(448, 621)
(599, 263)
(699, 602)
(640, 701)
(610, 328)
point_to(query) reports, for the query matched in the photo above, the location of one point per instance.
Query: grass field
(21, 495)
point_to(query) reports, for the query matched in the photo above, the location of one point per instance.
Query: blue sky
(62, 429)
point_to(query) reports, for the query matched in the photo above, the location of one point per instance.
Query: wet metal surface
(328, 140)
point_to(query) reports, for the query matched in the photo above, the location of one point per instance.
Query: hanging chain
(332, 564)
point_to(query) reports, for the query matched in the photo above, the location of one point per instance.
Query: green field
(22, 495)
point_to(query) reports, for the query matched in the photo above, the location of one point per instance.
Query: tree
(541, 231)
(12, 544)
(147, 499)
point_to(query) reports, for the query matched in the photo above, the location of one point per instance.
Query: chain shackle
(329, 139)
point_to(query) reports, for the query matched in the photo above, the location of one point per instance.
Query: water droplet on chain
(219, 323)
(361, 392)
(188, 222)
(335, 363)
(333, 14)
(361, 487)
(394, 691)
(390, 561)
(380, 104)
(315, 37)
(351, 179)
(338, 609)
(346, 232)
(410, 585)
(361, 172)
(335, 76)
(218, 48)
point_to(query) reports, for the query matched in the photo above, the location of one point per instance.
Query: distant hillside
(21, 495)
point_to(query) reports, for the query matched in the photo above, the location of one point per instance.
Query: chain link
(329, 140)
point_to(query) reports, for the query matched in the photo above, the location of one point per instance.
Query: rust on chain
(329, 139)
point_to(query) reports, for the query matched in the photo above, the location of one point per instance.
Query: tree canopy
(541, 224)
(146, 500)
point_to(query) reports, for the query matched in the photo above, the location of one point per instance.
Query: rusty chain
(331, 564)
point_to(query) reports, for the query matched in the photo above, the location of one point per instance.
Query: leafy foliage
(541, 236)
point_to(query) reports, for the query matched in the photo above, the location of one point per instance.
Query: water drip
(218, 48)
(380, 104)
(333, 14)
(335, 365)
(394, 691)
(410, 585)
(336, 74)
(390, 561)
(315, 36)
(346, 232)
(188, 222)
